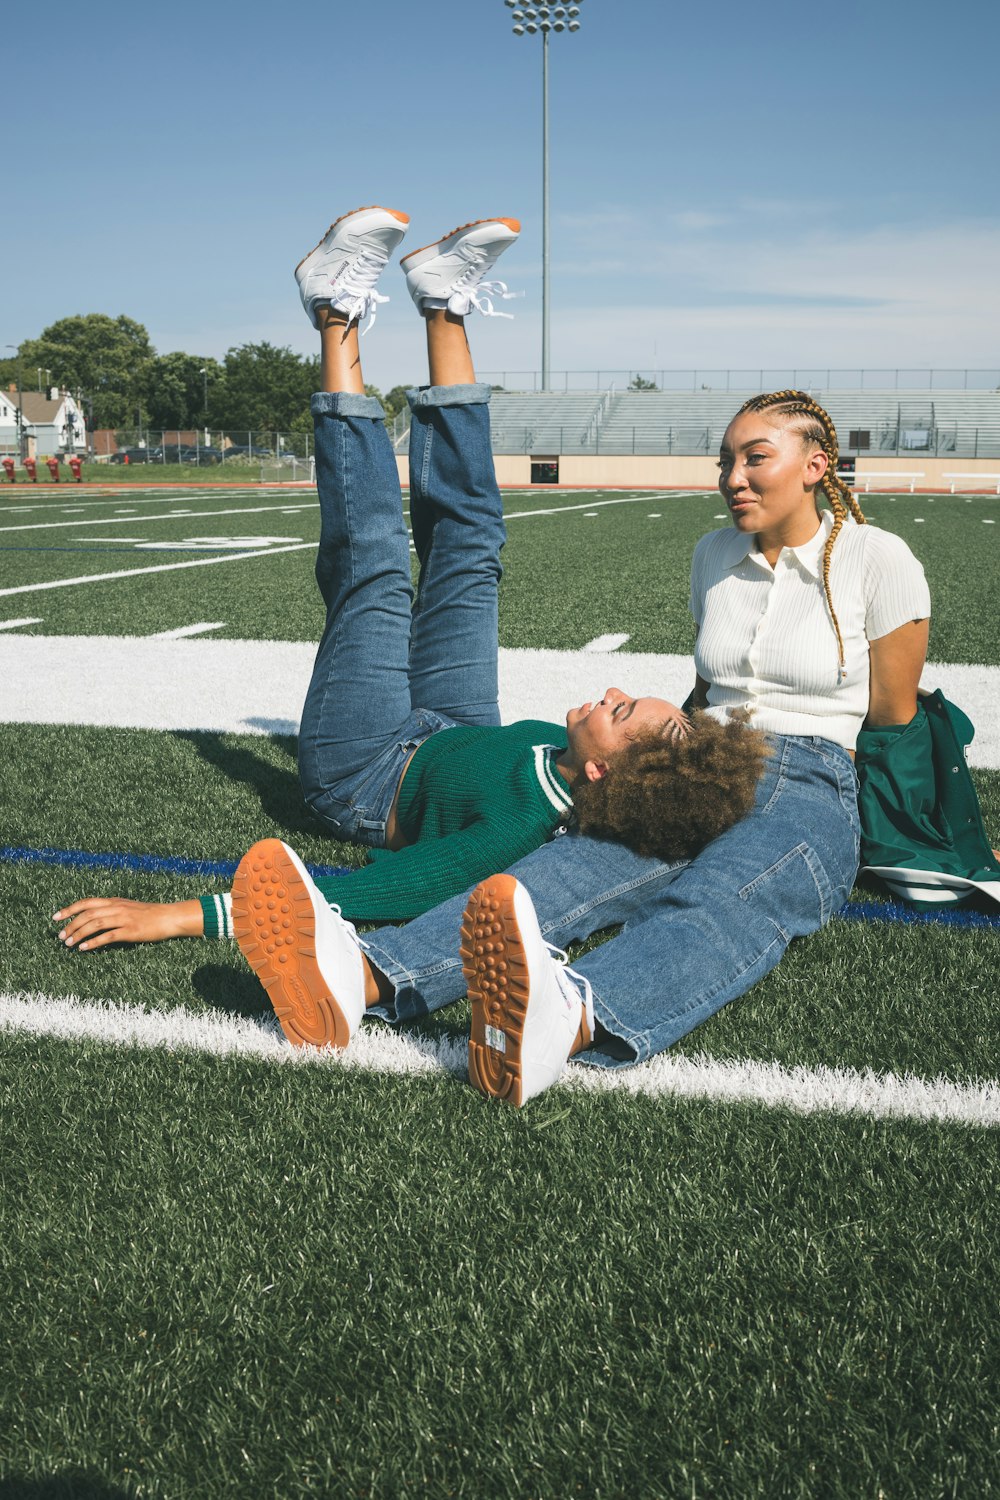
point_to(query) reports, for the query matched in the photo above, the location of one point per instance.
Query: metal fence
(203, 448)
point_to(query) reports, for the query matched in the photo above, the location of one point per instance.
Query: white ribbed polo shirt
(766, 641)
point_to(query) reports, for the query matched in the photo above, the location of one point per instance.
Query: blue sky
(732, 185)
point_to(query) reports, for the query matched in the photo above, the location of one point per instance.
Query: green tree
(262, 389)
(107, 359)
(640, 383)
(395, 401)
(177, 386)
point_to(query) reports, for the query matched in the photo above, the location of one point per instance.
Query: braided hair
(813, 425)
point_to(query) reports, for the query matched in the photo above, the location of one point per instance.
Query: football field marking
(376, 1048)
(183, 631)
(249, 510)
(606, 643)
(83, 579)
(151, 496)
(16, 624)
(243, 510)
(199, 562)
(258, 687)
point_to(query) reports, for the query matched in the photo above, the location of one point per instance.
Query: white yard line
(86, 578)
(156, 496)
(588, 505)
(172, 515)
(200, 562)
(606, 643)
(183, 632)
(258, 687)
(843, 1091)
(555, 510)
(16, 624)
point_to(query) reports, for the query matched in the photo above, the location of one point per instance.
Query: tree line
(123, 383)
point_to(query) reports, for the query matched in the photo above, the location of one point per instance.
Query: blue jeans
(694, 935)
(388, 671)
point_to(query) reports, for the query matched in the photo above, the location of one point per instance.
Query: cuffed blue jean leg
(389, 673)
(456, 513)
(694, 935)
(358, 701)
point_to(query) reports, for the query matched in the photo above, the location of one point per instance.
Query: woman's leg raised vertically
(456, 512)
(358, 707)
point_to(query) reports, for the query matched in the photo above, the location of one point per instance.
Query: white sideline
(842, 1091)
(258, 687)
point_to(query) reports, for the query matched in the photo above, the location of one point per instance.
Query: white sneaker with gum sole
(527, 1005)
(450, 272)
(307, 957)
(346, 264)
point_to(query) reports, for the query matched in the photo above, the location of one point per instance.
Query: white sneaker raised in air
(301, 949)
(348, 261)
(450, 272)
(527, 1005)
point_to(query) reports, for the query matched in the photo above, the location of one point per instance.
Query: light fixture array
(530, 19)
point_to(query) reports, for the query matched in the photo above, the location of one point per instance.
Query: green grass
(928, 993)
(617, 565)
(228, 1279)
(231, 1278)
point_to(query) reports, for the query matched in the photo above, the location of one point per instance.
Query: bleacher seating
(942, 423)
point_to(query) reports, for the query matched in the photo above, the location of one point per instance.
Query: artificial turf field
(227, 1275)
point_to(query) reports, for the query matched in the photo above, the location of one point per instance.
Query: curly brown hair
(669, 797)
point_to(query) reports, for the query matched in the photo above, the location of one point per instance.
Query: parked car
(131, 456)
(199, 455)
(245, 450)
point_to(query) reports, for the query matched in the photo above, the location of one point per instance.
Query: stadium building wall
(627, 471)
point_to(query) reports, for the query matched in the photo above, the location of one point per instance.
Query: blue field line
(146, 864)
(224, 869)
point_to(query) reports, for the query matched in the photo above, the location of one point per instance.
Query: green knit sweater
(473, 801)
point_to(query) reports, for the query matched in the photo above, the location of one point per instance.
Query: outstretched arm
(99, 920)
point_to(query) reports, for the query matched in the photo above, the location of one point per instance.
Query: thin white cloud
(844, 296)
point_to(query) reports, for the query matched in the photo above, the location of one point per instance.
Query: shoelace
(357, 296)
(467, 291)
(564, 974)
(462, 301)
(333, 905)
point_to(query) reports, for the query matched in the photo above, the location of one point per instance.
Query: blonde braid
(818, 428)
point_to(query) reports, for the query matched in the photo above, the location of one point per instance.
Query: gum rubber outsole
(496, 972)
(275, 926)
(513, 224)
(404, 219)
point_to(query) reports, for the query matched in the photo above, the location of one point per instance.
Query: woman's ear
(816, 466)
(595, 770)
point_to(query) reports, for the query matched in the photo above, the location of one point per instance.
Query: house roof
(38, 409)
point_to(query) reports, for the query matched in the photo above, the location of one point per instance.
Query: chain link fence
(205, 448)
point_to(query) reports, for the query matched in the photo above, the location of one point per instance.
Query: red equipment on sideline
(53, 465)
(8, 468)
(32, 468)
(74, 464)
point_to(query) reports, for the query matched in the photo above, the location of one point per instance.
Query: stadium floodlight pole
(529, 19)
(204, 392)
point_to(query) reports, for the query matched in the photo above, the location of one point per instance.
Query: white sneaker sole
(274, 922)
